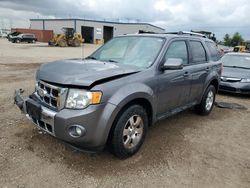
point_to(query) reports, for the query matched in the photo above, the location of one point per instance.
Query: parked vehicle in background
(225, 49)
(12, 34)
(24, 37)
(126, 85)
(236, 73)
(3, 34)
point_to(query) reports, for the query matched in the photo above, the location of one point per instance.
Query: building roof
(99, 21)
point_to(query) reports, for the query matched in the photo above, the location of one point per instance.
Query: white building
(93, 30)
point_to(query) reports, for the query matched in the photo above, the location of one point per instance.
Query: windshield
(236, 61)
(138, 51)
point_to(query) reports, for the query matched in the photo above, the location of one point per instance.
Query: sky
(218, 16)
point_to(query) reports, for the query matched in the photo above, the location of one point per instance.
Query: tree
(227, 40)
(236, 39)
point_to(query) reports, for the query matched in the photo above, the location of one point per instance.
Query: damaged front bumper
(41, 116)
(94, 121)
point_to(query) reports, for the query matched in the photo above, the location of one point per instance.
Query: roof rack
(188, 33)
(175, 33)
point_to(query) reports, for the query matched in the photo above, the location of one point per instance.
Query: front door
(174, 85)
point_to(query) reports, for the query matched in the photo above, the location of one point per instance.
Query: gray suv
(114, 95)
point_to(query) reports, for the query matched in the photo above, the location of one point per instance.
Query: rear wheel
(129, 132)
(18, 41)
(207, 103)
(33, 41)
(62, 43)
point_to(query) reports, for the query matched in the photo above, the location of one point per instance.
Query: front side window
(198, 52)
(138, 51)
(177, 49)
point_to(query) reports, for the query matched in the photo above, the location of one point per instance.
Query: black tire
(116, 143)
(33, 41)
(76, 43)
(17, 41)
(62, 43)
(202, 109)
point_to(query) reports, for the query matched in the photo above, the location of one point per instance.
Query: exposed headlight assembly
(245, 80)
(80, 99)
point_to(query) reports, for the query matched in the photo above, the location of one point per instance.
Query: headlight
(245, 80)
(79, 98)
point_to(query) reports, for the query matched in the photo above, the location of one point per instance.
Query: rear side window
(214, 51)
(198, 52)
(28, 36)
(177, 49)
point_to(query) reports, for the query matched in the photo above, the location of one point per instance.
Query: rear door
(199, 70)
(174, 85)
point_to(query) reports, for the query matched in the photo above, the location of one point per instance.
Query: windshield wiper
(113, 61)
(91, 57)
(110, 60)
(238, 67)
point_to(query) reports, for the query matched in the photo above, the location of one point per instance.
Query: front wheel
(76, 43)
(129, 132)
(207, 103)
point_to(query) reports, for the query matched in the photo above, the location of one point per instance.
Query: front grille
(53, 96)
(44, 126)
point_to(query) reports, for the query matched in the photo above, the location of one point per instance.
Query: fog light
(76, 131)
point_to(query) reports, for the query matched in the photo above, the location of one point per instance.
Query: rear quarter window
(198, 52)
(214, 51)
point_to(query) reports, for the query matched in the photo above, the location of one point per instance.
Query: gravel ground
(185, 150)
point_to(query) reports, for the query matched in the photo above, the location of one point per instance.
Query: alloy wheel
(133, 131)
(209, 100)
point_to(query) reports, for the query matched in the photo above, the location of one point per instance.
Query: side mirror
(173, 64)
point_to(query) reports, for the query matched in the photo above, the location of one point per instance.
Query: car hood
(235, 72)
(80, 72)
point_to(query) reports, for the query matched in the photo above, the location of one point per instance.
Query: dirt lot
(186, 150)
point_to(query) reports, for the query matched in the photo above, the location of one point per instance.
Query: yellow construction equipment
(68, 38)
(239, 48)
